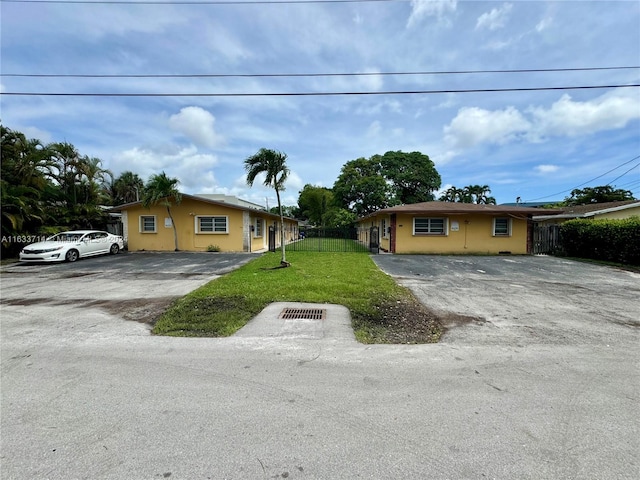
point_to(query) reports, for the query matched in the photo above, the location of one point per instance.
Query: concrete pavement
(87, 394)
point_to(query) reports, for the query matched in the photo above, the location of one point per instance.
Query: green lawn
(382, 311)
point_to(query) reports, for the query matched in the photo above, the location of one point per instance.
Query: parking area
(522, 300)
(135, 286)
(541, 383)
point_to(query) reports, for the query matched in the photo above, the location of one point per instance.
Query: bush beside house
(609, 240)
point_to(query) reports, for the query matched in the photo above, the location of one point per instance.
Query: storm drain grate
(303, 314)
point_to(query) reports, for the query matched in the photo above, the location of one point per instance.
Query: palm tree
(127, 188)
(273, 165)
(159, 190)
(480, 194)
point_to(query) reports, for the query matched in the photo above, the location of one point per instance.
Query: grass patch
(381, 310)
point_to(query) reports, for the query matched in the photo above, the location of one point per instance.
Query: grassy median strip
(382, 311)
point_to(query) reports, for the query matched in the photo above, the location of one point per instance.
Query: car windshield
(66, 237)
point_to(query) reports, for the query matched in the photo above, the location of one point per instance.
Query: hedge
(609, 240)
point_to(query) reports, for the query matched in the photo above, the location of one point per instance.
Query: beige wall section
(185, 219)
(474, 235)
(627, 213)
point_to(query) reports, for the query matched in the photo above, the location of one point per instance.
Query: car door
(98, 243)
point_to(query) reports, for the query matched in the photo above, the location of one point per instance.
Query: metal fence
(318, 239)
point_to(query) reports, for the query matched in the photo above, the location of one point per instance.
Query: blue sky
(528, 144)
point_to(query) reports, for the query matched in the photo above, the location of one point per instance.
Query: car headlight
(55, 249)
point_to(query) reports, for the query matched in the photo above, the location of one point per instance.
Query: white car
(70, 246)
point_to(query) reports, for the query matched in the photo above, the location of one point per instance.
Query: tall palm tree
(159, 190)
(273, 164)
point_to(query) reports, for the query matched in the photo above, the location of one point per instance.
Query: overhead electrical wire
(339, 74)
(317, 94)
(588, 181)
(635, 166)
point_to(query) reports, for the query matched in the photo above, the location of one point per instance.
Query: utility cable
(317, 94)
(588, 181)
(635, 166)
(343, 74)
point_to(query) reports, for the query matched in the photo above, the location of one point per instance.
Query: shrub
(609, 240)
(213, 248)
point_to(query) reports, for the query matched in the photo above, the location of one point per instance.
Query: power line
(317, 94)
(343, 74)
(635, 166)
(588, 181)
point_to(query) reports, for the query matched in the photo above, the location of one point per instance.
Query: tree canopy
(602, 194)
(366, 185)
(470, 194)
(46, 188)
(413, 176)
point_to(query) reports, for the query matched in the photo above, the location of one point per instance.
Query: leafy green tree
(291, 211)
(413, 176)
(478, 194)
(161, 190)
(314, 203)
(273, 164)
(602, 194)
(361, 188)
(127, 188)
(453, 194)
(337, 217)
(24, 181)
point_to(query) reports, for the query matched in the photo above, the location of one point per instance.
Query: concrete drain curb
(314, 321)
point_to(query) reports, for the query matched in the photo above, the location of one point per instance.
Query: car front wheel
(71, 256)
(114, 249)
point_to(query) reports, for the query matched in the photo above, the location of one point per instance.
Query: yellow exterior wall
(237, 239)
(473, 236)
(627, 213)
(184, 216)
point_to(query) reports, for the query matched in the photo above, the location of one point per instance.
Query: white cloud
(196, 124)
(542, 169)
(495, 19)
(421, 9)
(544, 24)
(567, 117)
(193, 169)
(473, 126)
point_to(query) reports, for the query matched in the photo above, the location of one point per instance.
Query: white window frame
(141, 224)
(445, 227)
(199, 231)
(258, 228)
(383, 226)
(508, 232)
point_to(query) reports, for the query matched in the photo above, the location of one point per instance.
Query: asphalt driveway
(87, 393)
(135, 286)
(522, 300)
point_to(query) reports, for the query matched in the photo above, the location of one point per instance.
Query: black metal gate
(318, 239)
(374, 240)
(546, 238)
(272, 238)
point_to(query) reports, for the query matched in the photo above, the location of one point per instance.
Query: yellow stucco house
(452, 228)
(228, 223)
